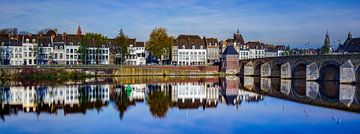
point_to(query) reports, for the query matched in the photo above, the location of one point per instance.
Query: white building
(252, 50)
(71, 54)
(191, 50)
(98, 55)
(136, 54)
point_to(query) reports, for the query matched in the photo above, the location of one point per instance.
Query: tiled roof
(139, 44)
(188, 41)
(213, 41)
(255, 45)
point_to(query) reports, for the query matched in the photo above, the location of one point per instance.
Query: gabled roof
(230, 50)
(188, 41)
(139, 44)
(351, 45)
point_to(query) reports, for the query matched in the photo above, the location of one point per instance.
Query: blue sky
(292, 22)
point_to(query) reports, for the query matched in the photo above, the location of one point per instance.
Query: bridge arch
(329, 90)
(299, 87)
(276, 69)
(299, 70)
(330, 71)
(257, 68)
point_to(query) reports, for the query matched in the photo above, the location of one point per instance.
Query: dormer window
(56, 47)
(209, 44)
(61, 47)
(183, 47)
(201, 47)
(71, 43)
(193, 47)
(27, 40)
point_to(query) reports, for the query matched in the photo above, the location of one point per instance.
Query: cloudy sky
(291, 22)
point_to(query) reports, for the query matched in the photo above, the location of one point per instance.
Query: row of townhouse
(188, 50)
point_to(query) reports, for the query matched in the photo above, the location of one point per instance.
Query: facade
(71, 54)
(230, 60)
(191, 50)
(59, 53)
(251, 50)
(212, 49)
(174, 56)
(98, 55)
(136, 55)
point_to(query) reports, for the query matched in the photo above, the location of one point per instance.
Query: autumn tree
(159, 43)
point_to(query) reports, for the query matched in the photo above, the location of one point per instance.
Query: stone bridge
(343, 67)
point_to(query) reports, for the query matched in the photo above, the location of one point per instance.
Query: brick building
(230, 60)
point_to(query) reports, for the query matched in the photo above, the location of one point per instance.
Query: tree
(9, 31)
(83, 51)
(326, 48)
(97, 40)
(159, 103)
(121, 45)
(159, 42)
(24, 33)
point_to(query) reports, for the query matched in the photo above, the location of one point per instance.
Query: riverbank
(64, 73)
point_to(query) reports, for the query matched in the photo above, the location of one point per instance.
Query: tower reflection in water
(161, 97)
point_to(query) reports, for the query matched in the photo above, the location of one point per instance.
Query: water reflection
(203, 93)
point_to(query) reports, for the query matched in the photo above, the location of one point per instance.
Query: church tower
(79, 33)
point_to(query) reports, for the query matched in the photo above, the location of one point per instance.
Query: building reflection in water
(161, 97)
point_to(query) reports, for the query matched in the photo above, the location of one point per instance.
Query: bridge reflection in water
(331, 94)
(193, 93)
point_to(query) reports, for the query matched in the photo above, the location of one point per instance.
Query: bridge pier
(347, 94)
(265, 84)
(266, 70)
(312, 89)
(285, 86)
(312, 71)
(249, 69)
(347, 72)
(285, 71)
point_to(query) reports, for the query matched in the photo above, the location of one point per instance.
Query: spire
(350, 35)
(327, 38)
(238, 31)
(79, 31)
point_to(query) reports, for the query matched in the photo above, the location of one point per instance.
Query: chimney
(64, 37)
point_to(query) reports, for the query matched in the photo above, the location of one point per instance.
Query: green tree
(121, 45)
(96, 40)
(159, 42)
(326, 48)
(83, 51)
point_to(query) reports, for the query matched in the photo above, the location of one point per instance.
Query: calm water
(180, 105)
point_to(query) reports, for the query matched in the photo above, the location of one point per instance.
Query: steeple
(79, 31)
(350, 36)
(327, 38)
